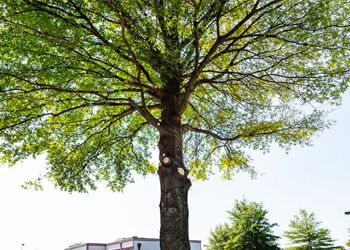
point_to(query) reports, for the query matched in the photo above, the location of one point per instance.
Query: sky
(315, 178)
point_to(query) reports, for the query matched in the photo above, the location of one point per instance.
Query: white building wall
(154, 245)
(147, 245)
(196, 246)
(97, 248)
(117, 245)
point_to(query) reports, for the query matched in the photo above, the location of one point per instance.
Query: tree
(340, 248)
(300, 248)
(249, 229)
(348, 242)
(305, 231)
(96, 85)
(219, 237)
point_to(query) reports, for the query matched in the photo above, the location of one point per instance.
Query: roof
(135, 238)
(77, 245)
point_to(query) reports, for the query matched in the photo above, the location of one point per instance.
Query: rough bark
(174, 181)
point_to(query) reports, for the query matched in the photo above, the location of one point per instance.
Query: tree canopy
(85, 81)
(219, 237)
(96, 84)
(305, 231)
(248, 229)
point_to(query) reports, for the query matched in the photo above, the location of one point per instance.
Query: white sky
(315, 178)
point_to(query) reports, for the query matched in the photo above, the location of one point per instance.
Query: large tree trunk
(174, 182)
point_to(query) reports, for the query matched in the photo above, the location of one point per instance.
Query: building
(132, 243)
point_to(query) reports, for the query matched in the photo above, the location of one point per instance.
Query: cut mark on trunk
(181, 171)
(166, 160)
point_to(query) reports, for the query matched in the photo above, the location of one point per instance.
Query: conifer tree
(248, 229)
(305, 231)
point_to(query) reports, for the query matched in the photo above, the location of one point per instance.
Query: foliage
(219, 237)
(86, 81)
(302, 248)
(305, 231)
(249, 229)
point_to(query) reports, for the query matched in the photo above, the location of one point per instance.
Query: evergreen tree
(249, 229)
(305, 231)
(219, 237)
